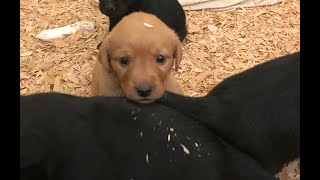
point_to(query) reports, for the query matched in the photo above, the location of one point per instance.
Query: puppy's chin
(143, 100)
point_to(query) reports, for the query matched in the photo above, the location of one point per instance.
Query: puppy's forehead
(142, 29)
(141, 20)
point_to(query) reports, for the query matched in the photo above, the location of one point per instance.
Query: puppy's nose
(109, 7)
(144, 90)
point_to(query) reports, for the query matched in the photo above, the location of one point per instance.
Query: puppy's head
(141, 51)
(115, 8)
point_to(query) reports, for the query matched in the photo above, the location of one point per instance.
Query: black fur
(63, 137)
(256, 111)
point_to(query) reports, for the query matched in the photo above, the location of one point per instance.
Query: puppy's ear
(104, 56)
(178, 55)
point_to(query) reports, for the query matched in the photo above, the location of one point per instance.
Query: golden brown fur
(129, 60)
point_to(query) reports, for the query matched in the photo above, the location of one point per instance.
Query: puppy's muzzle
(110, 8)
(144, 90)
(107, 8)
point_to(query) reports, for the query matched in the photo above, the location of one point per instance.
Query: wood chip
(202, 76)
(57, 85)
(193, 28)
(185, 149)
(147, 158)
(28, 53)
(147, 25)
(212, 28)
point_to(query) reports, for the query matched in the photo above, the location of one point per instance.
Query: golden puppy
(135, 60)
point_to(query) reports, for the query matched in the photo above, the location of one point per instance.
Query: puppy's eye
(160, 59)
(124, 60)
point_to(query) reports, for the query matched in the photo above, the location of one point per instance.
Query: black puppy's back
(169, 11)
(263, 105)
(257, 111)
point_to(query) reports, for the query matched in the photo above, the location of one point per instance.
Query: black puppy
(256, 111)
(63, 137)
(169, 11)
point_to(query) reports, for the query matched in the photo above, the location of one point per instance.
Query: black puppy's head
(115, 8)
